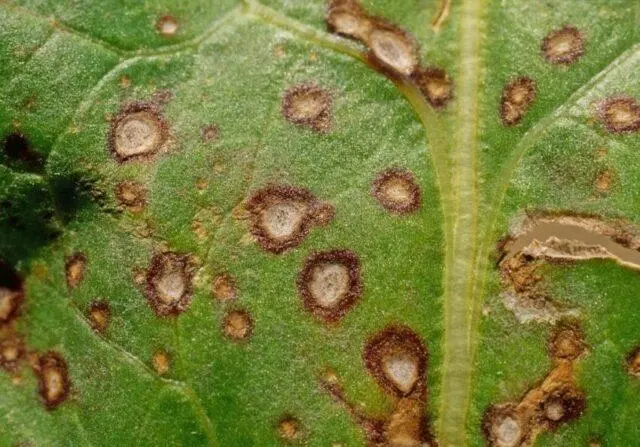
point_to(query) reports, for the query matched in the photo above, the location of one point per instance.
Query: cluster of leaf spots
(555, 401)
(49, 367)
(392, 50)
(282, 216)
(397, 358)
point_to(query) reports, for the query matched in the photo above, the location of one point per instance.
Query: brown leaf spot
(12, 351)
(397, 191)
(75, 268)
(53, 379)
(503, 426)
(517, 97)
(289, 428)
(167, 25)
(393, 49)
(238, 325)
(397, 359)
(282, 216)
(346, 17)
(330, 283)
(11, 293)
(169, 283)
(563, 46)
(435, 84)
(99, 314)
(603, 181)
(308, 105)
(137, 132)
(620, 114)
(210, 133)
(224, 288)
(161, 362)
(633, 362)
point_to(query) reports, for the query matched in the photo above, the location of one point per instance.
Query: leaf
(224, 224)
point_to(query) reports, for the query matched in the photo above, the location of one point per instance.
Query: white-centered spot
(329, 283)
(138, 134)
(402, 370)
(54, 384)
(393, 50)
(508, 432)
(283, 219)
(167, 26)
(397, 190)
(171, 286)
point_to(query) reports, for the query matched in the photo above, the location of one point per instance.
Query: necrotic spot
(282, 216)
(346, 17)
(138, 131)
(436, 86)
(169, 283)
(289, 428)
(397, 359)
(517, 97)
(224, 288)
(563, 46)
(12, 351)
(393, 49)
(161, 362)
(633, 362)
(504, 427)
(99, 314)
(53, 379)
(397, 191)
(620, 114)
(330, 284)
(75, 267)
(167, 25)
(237, 325)
(308, 105)
(11, 293)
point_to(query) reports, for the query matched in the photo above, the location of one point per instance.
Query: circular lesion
(397, 190)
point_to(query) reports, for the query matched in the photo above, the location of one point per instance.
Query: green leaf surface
(219, 77)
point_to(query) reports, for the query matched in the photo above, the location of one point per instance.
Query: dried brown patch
(99, 314)
(309, 106)
(75, 268)
(161, 362)
(435, 84)
(282, 216)
(620, 114)
(330, 284)
(393, 49)
(53, 379)
(289, 428)
(238, 325)
(11, 293)
(397, 359)
(633, 362)
(131, 195)
(397, 191)
(12, 352)
(167, 25)
(563, 46)
(517, 96)
(169, 286)
(349, 19)
(545, 407)
(210, 133)
(224, 288)
(137, 132)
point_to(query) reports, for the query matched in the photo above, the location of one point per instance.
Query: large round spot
(397, 191)
(393, 49)
(620, 114)
(563, 46)
(308, 105)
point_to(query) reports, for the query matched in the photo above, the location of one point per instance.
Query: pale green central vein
(460, 260)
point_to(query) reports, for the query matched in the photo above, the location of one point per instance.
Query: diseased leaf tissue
(319, 223)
